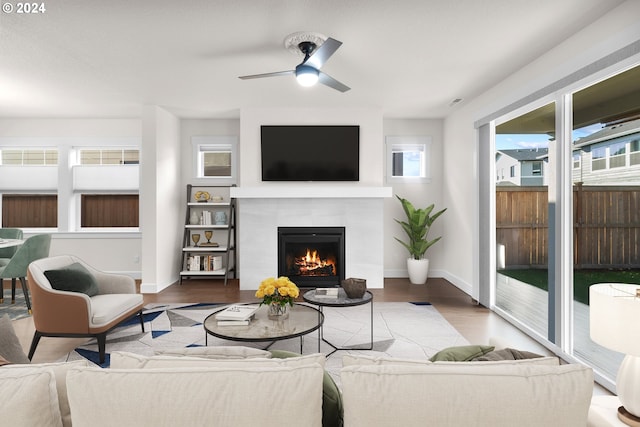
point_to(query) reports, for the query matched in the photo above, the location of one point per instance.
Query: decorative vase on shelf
(278, 311)
(221, 218)
(195, 218)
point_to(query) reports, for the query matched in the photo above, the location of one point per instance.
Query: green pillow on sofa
(73, 278)
(332, 411)
(462, 353)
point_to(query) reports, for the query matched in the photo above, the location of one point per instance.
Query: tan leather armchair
(60, 313)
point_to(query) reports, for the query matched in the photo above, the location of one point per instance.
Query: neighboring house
(521, 167)
(609, 156)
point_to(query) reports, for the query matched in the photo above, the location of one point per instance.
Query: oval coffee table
(302, 320)
(341, 301)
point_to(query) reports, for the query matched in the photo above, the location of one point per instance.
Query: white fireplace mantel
(310, 191)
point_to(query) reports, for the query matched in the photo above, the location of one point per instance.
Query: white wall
(117, 252)
(420, 194)
(160, 199)
(613, 31)
(369, 120)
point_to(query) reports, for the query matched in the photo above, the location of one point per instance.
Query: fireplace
(311, 256)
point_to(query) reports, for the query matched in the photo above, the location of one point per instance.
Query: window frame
(395, 144)
(212, 144)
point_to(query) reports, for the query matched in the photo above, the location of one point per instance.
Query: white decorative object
(614, 312)
(195, 218)
(418, 270)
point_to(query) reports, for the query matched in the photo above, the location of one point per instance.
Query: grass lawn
(582, 279)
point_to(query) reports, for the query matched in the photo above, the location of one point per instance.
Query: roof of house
(609, 132)
(522, 154)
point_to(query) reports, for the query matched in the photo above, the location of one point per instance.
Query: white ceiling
(409, 58)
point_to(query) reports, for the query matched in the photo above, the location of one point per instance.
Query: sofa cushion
(332, 410)
(73, 278)
(125, 360)
(60, 375)
(106, 307)
(10, 348)
(217, 352)
(466, 394)
(461, 353)
(266, 397)
(28, 397)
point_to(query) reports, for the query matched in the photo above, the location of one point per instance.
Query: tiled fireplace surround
(261, 210)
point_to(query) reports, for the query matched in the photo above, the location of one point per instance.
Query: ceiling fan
(308, 71)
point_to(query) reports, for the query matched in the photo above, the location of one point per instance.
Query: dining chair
(33, 248)
(7, 253)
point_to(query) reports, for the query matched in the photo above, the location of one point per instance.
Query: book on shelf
(326, 293)
(234, 322)
(237, 312)
(204, 263)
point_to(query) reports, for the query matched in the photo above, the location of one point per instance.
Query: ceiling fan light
(306, 75)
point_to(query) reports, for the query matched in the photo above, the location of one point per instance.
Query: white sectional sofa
(192, 388)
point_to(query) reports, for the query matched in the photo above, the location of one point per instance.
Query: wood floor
(476, 323)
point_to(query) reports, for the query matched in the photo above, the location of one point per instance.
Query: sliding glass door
(523, 168)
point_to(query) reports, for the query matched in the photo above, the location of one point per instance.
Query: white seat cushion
(105, 308)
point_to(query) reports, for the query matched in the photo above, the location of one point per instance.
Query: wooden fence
(606, 226)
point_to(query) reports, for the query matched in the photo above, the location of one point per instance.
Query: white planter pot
(418, 270)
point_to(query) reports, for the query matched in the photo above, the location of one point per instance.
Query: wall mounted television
(310, 153)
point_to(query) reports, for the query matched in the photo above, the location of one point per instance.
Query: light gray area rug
(15, 311)
(404, 330)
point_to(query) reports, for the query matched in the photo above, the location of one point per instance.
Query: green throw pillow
(461, 353)
(332, 410)
(73, 278)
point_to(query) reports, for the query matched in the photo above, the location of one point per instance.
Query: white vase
(418, 270)
(195, 218)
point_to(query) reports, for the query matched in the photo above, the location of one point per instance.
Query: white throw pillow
(217, 352)
(60, 375)
(125, 360)
(28, 397)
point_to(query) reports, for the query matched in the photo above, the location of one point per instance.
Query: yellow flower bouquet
(277, 293)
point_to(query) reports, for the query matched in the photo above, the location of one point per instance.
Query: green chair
(7, 253)
(33, 248)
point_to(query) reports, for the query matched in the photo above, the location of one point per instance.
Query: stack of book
(236, 315)
(326, 293)
(204, 263)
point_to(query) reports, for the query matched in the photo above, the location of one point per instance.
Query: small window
(408, 158)
(29, 157)
(576, 160)
(634, 152)
(536, 168)
(98, 156)
(512, 171)
(215, 158)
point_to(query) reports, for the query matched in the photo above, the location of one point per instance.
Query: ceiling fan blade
(327, 80)
(259, 76)
(324, 52)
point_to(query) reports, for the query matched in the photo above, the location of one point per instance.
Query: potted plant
(417, 227)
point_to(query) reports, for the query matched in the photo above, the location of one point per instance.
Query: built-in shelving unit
(211, 218)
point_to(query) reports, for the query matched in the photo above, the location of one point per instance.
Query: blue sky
(513, 141)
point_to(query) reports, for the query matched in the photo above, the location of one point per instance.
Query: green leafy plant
(417, 227)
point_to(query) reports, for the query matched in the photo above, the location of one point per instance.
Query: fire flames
(311, 264)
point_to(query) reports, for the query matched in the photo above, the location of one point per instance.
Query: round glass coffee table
(342, 300)
(301, 321)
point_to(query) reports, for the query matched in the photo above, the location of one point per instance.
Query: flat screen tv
(310, 153)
